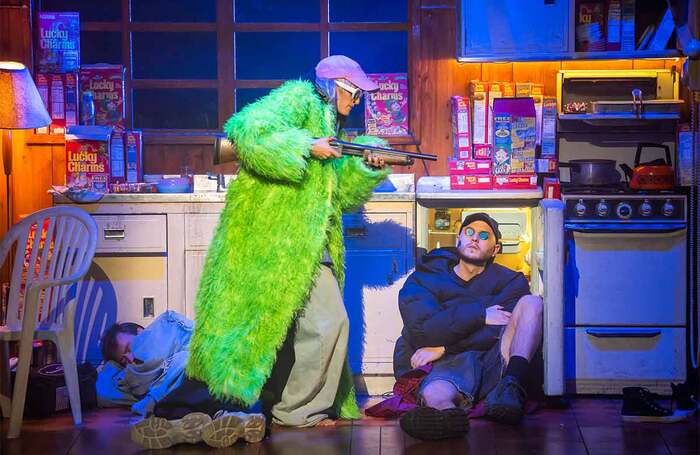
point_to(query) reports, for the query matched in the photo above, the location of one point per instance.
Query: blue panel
(286, 55)
(100, 47)
(245, 96)
(368, 11)
(176, 109)
(173, 11)
(376, 52)
(277, 11)
(90, 11)
(164, 55)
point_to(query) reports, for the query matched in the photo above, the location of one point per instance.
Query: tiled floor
(589, 426)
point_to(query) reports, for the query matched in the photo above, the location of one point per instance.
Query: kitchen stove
(625, 288)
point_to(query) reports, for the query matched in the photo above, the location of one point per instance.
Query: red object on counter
(468, 167)
(471, 182)
(551, 188)
(515, 182)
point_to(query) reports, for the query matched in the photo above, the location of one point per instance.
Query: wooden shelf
(546, 56)
(45, 139)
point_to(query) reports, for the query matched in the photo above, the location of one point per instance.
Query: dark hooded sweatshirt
(439, 308)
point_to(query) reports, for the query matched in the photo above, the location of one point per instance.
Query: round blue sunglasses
(483, 235)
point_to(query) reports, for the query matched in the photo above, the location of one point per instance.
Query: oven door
(625, 275)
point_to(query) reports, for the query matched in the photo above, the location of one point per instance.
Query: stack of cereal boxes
(57, 63)
(467, 173)
(496, 132)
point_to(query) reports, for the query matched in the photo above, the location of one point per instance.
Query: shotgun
(390, 156)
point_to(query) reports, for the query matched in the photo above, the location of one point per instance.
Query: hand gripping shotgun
(392, 157)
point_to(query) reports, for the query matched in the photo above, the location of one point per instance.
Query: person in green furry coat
(276, 260)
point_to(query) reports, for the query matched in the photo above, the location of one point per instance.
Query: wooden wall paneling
(647, 63)
(497, 72)
(15, 32)
(596, 64)
(32, 176)
(539, 73)
(58, 164)
(439, 77)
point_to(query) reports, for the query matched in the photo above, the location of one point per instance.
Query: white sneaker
(159, 433)
(228, 427)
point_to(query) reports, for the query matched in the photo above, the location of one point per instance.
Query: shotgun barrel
(390, 156)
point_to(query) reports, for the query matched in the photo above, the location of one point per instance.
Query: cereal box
(106, 82)
(386, 110)
(134, 160)
(471, 182)
(479, 98)
(537, 95)
(117, 165)
(514, 136)
(549, 127)
(461, 127)
(515, 182)
(87, 157)
(468, 167)
(42, 85)
(58, 42)
(58, 91)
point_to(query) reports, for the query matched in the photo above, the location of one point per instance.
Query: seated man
(476, 322)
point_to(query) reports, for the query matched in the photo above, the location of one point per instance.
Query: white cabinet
(379, 242)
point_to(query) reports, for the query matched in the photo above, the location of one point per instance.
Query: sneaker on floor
(639, 405)
(431, 424)
(159, 433)
(506, 402)
(228, 427)
(684, 400)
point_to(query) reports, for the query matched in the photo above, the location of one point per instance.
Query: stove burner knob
(580, 208)
(668, 208)
(645, 209)
(623, 210)
(602, 208)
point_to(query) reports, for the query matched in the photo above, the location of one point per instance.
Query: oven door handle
(616, 333)
(625, 227)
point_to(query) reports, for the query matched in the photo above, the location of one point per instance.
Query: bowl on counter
(174, 185)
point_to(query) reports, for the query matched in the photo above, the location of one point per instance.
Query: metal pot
(593, 172)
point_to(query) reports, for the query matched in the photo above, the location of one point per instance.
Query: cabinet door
(371, 291)
(513, 28)
(194, 263)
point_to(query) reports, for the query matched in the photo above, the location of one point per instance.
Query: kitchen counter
(403, 184)
(439, 188)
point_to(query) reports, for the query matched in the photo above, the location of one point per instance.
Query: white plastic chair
(55, 247)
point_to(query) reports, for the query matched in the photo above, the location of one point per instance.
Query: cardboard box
(514, 136)
(133, 144)
(106, 82)
(117, 164)
(58, 42)
(508, 89)
(59, 92)
(614, 26)
(479, 100)
(546, 165)
(468, 167)
(551, 188)
(87, 157)
(471, 182)
(549, 128)
(537, 95)
(461, 127)
(42, 85)
(386, 110)
(515, 182)
(523, 89)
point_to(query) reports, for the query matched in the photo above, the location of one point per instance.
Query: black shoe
(683, 398)
(639, 405)
(505, 403)
(432, 424)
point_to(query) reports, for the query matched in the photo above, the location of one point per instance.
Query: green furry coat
(281, 212)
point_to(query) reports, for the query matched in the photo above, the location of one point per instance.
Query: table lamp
(21, 108)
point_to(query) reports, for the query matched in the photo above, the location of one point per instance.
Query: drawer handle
(641, 333)
(113, 234)
(356, 231)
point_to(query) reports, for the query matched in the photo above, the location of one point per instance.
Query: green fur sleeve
(356, 180)
(268, 134)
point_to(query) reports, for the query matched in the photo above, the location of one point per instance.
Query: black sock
(518, 367)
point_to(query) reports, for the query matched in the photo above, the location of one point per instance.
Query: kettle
(654, 175)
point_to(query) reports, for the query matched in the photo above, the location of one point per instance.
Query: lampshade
(20, 104)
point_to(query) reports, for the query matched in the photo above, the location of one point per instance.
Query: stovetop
(619, 188)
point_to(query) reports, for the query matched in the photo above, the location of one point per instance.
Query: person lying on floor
(476, 323)
(145, 369)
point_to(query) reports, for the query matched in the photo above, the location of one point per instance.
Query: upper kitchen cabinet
(527, 30)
